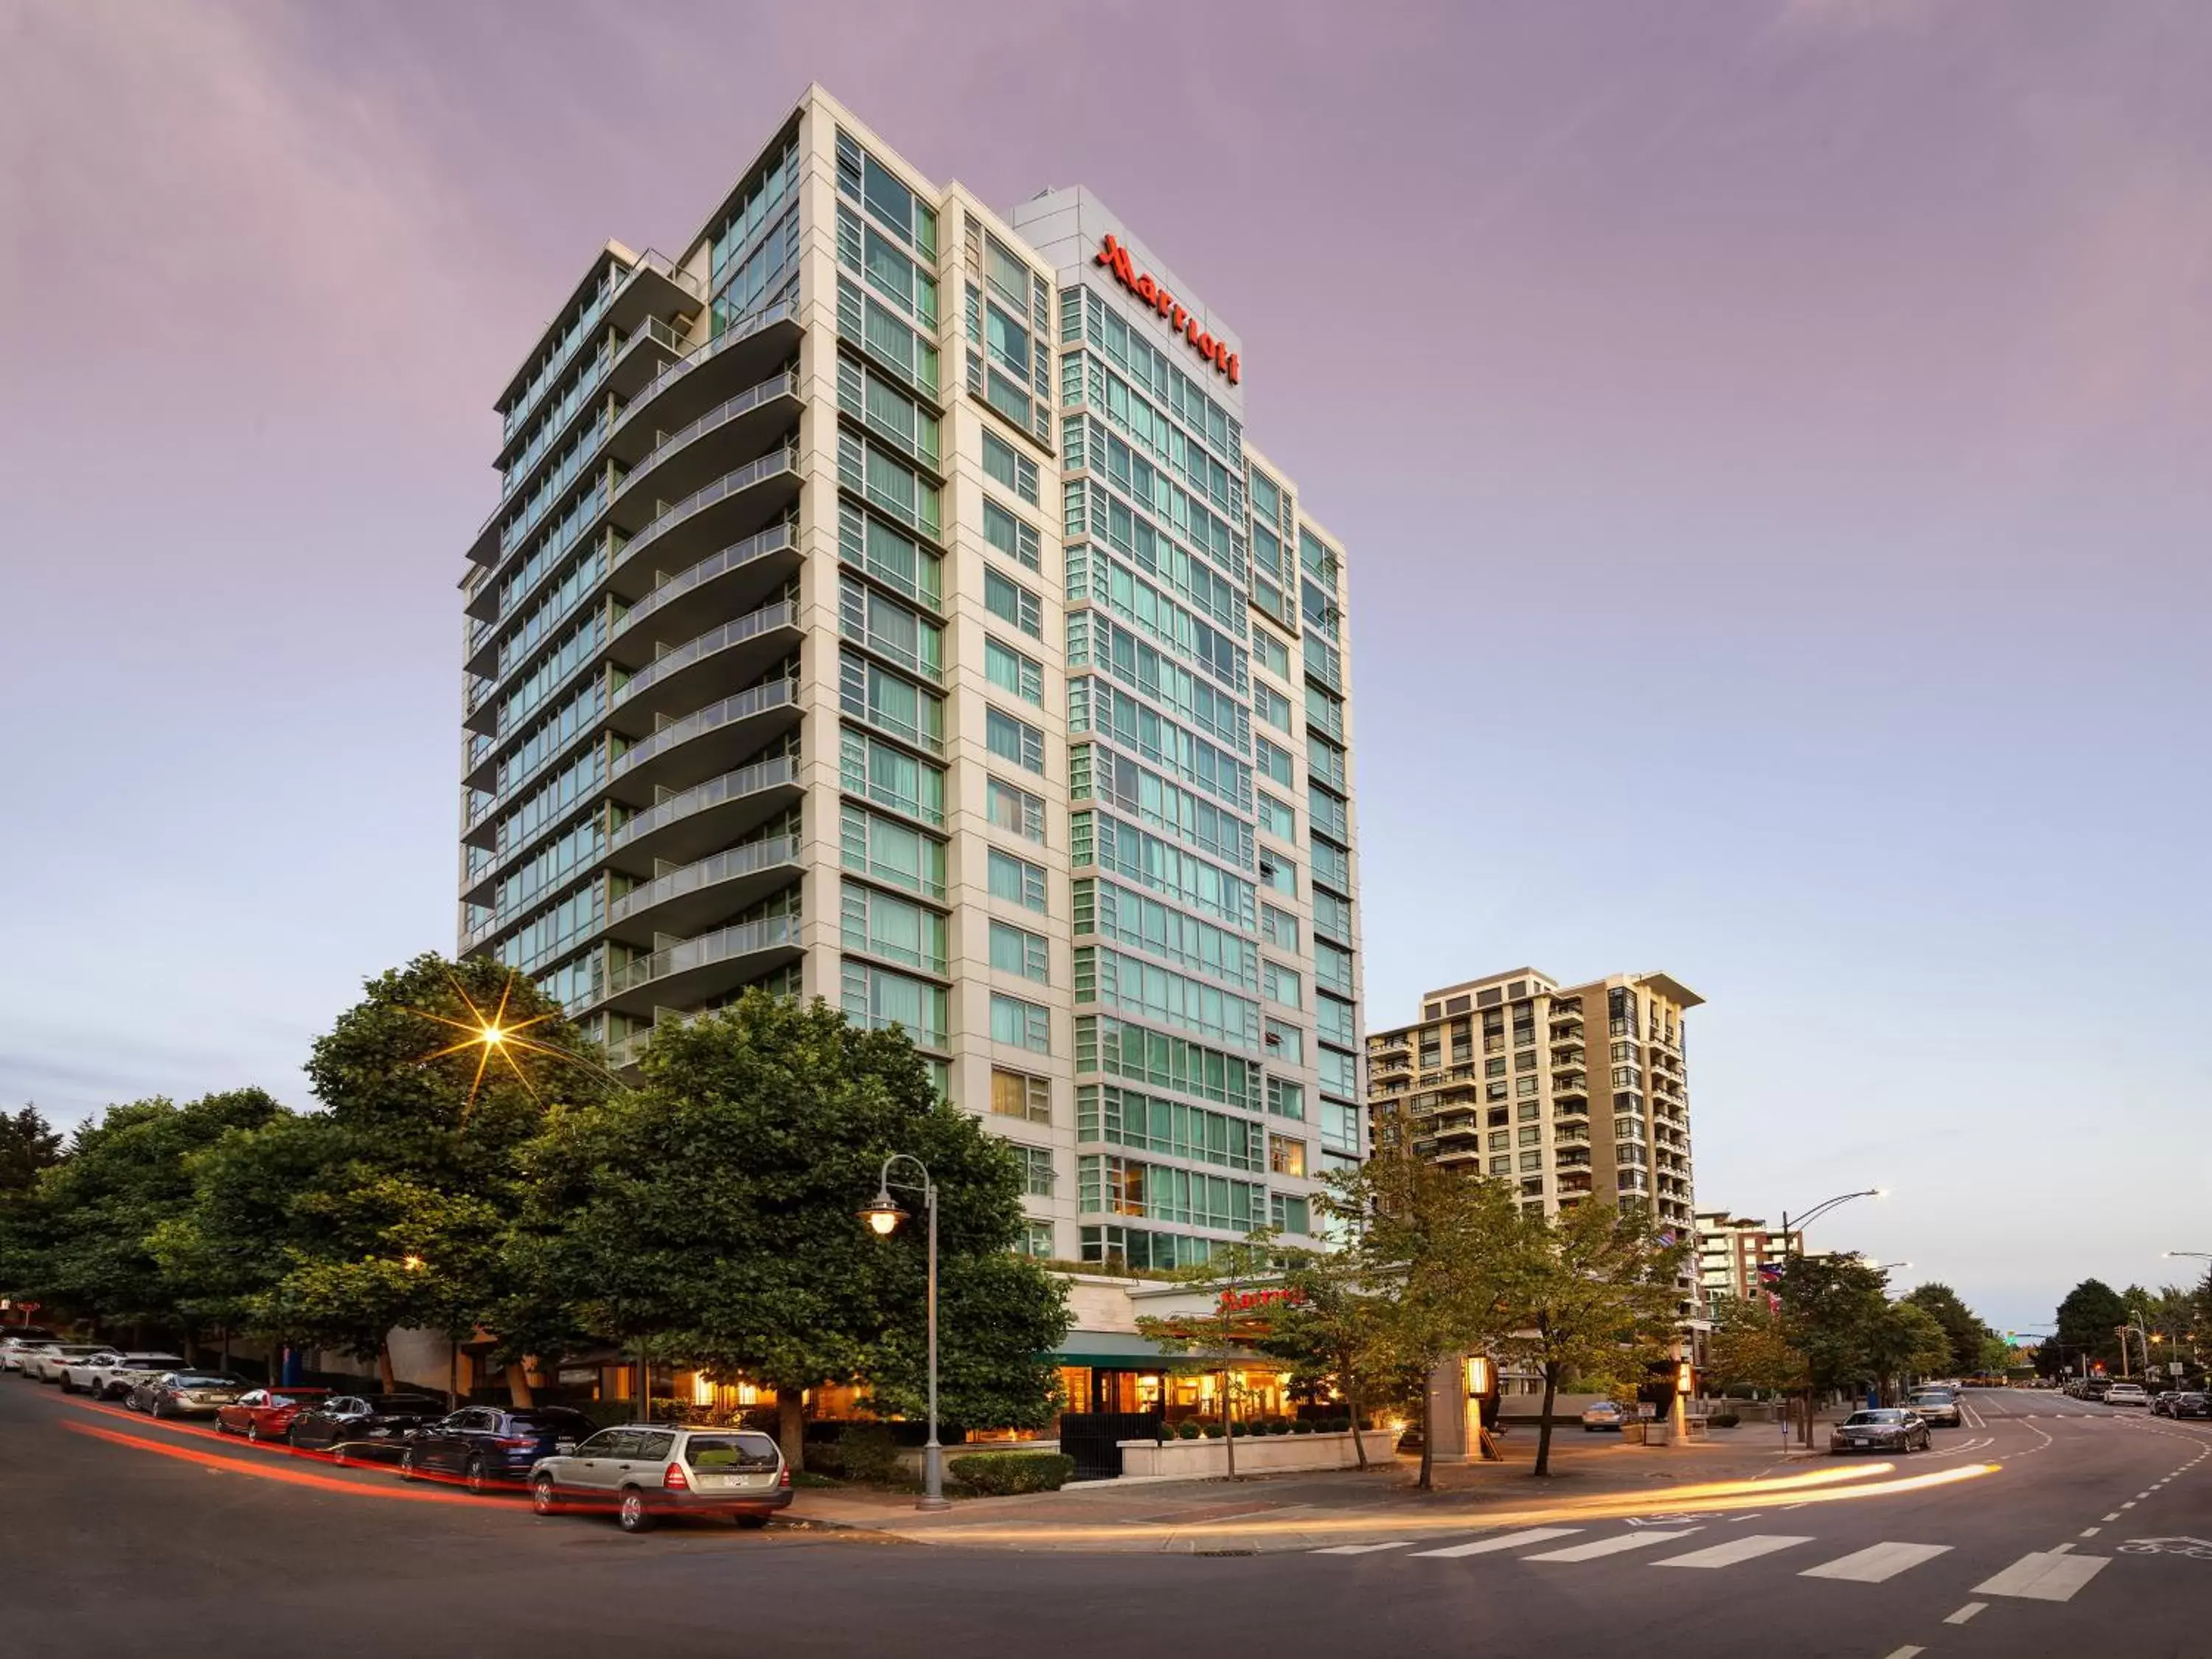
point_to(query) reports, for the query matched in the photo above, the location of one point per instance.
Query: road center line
(1966, 1613)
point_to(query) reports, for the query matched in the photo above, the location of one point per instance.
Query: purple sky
(1771, 440)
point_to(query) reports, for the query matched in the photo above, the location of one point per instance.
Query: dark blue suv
(490, 1449)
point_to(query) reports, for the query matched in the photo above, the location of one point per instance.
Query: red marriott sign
(1145, 287)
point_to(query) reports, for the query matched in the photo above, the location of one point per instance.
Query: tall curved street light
(1817, 1211)
(883, 1215)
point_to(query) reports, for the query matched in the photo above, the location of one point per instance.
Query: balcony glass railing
(783, 614)
(730, 483)
(700, 353)
(756, 700)
(744, 939)
(730, 786)
(519, 411)
(781, 385)
(749, 859)
(776, 538)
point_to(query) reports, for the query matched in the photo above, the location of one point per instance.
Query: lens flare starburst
(494, 1036)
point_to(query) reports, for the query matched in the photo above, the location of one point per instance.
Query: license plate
(564, 1447)
(723, 1482)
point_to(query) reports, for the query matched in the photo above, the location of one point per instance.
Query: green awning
(1128, 1352)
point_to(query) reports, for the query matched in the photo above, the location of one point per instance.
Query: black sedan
(490, 1449)
(2191, 1403)
(356, 1428)
(185, 1393)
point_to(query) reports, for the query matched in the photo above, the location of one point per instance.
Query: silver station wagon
(639, 1471)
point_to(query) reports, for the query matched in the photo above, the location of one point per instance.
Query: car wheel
(338, 1455)
(68, 1387)
(544, 1499)
(407, 1471)
(155, 1410)
(631, 1515)
(477, 1477)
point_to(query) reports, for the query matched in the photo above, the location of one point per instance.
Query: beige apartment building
(1731, 1247)
(1569, 1092)
(883, 603)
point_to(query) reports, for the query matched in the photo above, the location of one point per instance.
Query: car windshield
(208, 1382)
(1931, 1398)
(152, 1362)
(402, 1402)
(730, 1452)
(554, 1417)
(1873, 1420)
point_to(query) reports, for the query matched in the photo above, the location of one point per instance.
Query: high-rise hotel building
(883, 603)
(1569, 1092)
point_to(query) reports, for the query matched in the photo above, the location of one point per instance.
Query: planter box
(1270, 1454)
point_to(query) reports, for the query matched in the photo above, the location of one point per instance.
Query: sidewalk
(1312, 1510)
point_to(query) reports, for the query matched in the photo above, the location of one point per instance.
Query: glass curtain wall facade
(883, 605)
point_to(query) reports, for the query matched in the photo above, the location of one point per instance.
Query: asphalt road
(167, 1537)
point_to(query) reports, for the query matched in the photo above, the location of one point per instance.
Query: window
(1013, 809)
(1532, 1161)
(1010, 467)
(884, 625)
(1037, 1170)
(885, 925)
(1273, 762)
(1339, 1071)
(1278, 984)
(1124, 1117)
(1524, 1085)
(1016, 951)
(1023, 1024)
(890, 776)
(1531, 1135)
(1501, 1140)
(1036, 1240)
(1010, 670)
(879, 999)
(1017, 1094)
(1009, 534)
(1525, 1060)
(1013, 740)
(1277, 818)
(1286, 1099)
(1271, 705)
(1494, 1066)
(1278, 927)
(1004, 597)
(1280, 873)
(1285, 1043)
(1287, 1157)
(1018, 879)
(869, 691)
(1271, 653)
(1499, 1166)
(1334, 1018)
(892, 852)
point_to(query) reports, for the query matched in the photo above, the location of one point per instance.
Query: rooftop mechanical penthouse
(883, 604)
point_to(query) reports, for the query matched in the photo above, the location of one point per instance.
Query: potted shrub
(1188, 1430)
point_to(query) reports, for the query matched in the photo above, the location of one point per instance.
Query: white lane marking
(2128, 1504)
(2044, 1576)
(2060, 1549)
(1363, 1549)
(1511, 1540)
(2114, 1515)
(1908, 1653)
(1615, 1546)
(2090, 1531)
(1966, 1613)
(1735, 1550)
(1877, 1564)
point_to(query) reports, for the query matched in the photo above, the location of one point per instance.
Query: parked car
(2189, 1402)
(1605, 1414)
(45, 1363)
(2094, 1388)
(1939, 1407)
(490, 1448)
(18, 1339)
(1885, 1428)
(2126, 1394)
(112, 1372)
(641, 1471)
(2161, 1403)
(363, 1427)
(185, 1393)
(265, 1413)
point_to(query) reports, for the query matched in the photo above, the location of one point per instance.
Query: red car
(265, 1413)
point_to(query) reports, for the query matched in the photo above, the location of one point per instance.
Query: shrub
(1188, 1430)
(866, 1451)
(1724, 1421)
(1279, 1425)
(1238, 1431)
(1213, 1430)
(1303, 1426)
(999, 1474)
(1340, 1425)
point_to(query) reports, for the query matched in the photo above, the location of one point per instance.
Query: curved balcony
(682, 390)
(689, 750)
(719, 587)
(698, 969)
(741, 650)
(742, 502)
(693, 823)
(669, 462)
(699, 896)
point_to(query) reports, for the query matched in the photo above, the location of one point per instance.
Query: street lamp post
(884, 1215)
(1793, 1243)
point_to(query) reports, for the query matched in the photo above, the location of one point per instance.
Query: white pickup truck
(114, 1372)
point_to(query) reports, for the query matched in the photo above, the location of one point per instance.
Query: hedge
(999, 1474)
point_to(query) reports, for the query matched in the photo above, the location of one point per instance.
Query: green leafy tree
(1962, 1328)
(1830, 1308)
(1750, 1348)
(101, 1208)
(1334, 1330)
(710, 1218)
(1211, 1342)
(2088, 1323)
(1904, 1342)
(28, 1144)
(1593, 1296)
(1441, 1252)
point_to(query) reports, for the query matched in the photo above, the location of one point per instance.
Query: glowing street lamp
(884, 1214)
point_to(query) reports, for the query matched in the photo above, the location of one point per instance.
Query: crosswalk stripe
(1614, 1546)
(1364, 1549)
(1511, 1540)
(1877, 1563)
(2044, 1576)
(1736, 1549)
